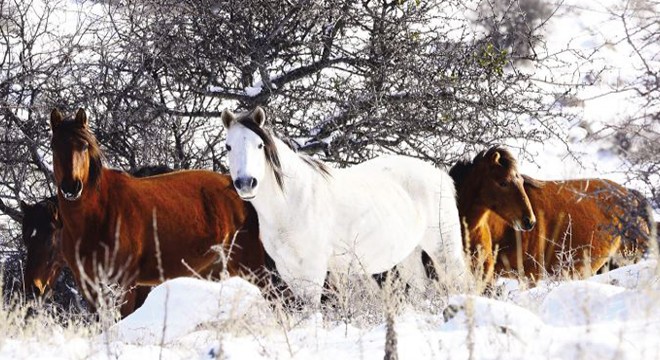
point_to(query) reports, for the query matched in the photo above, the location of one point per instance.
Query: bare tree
(345, 80)
(351, 79)
(637, 138)
(515, 25)
(348, 80)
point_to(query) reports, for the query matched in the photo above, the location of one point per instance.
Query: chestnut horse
(140, 231)
(580, 224)
(41, 236)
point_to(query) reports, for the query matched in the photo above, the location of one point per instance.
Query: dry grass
(353, 300)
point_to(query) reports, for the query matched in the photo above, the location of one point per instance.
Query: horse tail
(637, 226)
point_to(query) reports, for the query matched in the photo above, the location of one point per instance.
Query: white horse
(314, 219)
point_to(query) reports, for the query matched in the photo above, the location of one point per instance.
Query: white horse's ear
(55, 118)
(81, 117)
(227, 118)
(259, 116)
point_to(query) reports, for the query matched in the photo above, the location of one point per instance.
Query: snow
(253, 91)
(613, 315)
(150, 325)
(606, 315)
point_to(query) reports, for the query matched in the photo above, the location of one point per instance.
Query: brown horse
(126, 230)
(41, 236)
(490, 187)
(580, 224)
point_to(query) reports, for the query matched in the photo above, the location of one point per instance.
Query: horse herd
(283, 215)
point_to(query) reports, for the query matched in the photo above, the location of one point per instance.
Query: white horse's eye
(260, 146)
(228, 148)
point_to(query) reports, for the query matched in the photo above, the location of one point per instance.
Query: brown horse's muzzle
(41, 286)
(46, 279)
(528, 223)
(71, 190)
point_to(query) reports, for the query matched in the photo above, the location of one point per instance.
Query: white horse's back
(379, 218)
(434, 192)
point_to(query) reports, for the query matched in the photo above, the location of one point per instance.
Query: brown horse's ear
(81, 117)
(496, 157)
(259, 116)
(24, 206)
(55, 119)
(55, 221)
(227, 118)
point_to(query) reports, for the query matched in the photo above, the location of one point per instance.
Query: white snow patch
(179, 306)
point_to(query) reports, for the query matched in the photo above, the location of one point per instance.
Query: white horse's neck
(300, 182)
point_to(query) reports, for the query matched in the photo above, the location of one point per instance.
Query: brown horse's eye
(29, 234)
(503, 184)
(85, 146)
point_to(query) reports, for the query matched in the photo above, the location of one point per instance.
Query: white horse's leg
(305, 278)
(448, 261)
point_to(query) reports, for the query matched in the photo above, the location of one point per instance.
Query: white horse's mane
(272, 153)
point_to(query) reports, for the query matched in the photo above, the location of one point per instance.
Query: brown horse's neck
(75, 214)
(470, 210)
(478, 230)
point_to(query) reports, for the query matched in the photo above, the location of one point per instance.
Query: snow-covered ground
(611, 316)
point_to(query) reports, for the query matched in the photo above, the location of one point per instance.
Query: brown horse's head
(76, 155)
(492, 181)
(41, 227)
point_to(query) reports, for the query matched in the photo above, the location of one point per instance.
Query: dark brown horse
(40, 232)
(126, 230)
(580, 224)
(41, 235)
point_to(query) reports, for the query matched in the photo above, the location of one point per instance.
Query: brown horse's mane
(460, 171)
(47, 206)
(272, 156)
(73, 130)
(537, 184)
(462, 168)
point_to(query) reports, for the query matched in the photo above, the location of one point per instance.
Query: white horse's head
(250, 151)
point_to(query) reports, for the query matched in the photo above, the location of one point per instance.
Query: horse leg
(128, 303)
(429, 268)
(87, 291)
(272, 286)
(484, 265)
(141, 294)
(133, 299)
(329, 291)
(443, 260)
(394, 275)
(305, 278)
(381, 278)
(394, 283)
